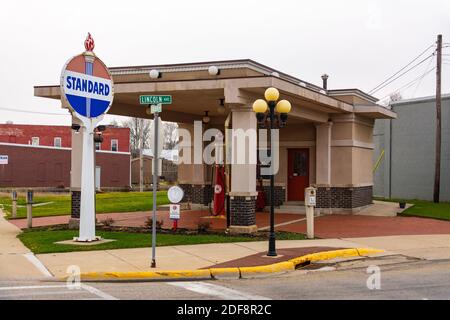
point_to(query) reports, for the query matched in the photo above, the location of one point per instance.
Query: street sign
(156, 108)
(155, 99)
(175, 211)
(3, 159)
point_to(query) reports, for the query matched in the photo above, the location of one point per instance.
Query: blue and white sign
(87, 86)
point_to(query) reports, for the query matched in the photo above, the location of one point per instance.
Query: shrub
(149, 223)
(108, 222)
(203, 226)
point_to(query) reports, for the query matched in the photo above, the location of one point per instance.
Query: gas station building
(327, 142)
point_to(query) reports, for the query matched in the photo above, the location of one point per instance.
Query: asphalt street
(398, 278)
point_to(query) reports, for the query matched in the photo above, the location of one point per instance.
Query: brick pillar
(243, 213)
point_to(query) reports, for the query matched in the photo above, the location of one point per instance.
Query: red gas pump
(219, 190)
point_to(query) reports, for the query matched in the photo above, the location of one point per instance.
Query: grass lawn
(59, 204)
(424, 208)
(43, 241)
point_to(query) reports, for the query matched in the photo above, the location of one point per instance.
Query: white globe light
(154, 74)
(302, 84)
(213, 71)
(275, 74)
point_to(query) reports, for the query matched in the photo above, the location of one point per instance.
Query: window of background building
(114, 145)
(57, 142)
(35, 141)
(98, 146)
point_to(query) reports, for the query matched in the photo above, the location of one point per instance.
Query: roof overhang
(375, 112)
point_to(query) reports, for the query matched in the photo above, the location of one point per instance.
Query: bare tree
(139, 129)
(396, 96)
(170, 135)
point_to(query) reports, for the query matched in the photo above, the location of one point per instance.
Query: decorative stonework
(196, 193)
(279, 195)
(344, 197)
(75, 204)
(242, 210)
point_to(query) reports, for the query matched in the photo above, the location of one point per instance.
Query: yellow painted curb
(225, 273)
(328, 255)
(155, 275)
(241, 272)
(249, 272)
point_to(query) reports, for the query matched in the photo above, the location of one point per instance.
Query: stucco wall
(413, 152)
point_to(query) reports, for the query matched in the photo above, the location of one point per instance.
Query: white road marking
(98, 292)
(217, 291)
(287, 223)
(34, 293)
(38, 264)
(83, 286)
(33, 287)
(282, 224)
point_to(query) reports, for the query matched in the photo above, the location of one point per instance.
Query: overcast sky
(358, 43)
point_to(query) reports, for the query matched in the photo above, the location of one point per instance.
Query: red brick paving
(353, 226)
(330, 226)
(260, 259)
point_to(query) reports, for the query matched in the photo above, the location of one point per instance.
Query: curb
(227, 273)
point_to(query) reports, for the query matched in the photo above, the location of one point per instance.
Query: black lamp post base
(272, 251)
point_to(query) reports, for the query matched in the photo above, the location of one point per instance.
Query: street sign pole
(155, 181)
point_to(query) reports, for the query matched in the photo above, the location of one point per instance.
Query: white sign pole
(87, 203)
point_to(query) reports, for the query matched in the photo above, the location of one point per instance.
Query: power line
(401, 75)
(409, 84)
(33, 112)
(420, 81)
(415, 59)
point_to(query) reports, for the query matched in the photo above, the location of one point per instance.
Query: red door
(298, 173)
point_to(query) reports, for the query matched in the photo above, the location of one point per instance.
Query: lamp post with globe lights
(276, 113)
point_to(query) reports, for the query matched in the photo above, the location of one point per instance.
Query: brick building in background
(40, 156)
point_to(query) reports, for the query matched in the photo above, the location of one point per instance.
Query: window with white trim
(35, 141)
(114, 145)
(98, 146)
(57, 142)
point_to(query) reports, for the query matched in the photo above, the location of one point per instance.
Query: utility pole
(437, 168)
(141, 156)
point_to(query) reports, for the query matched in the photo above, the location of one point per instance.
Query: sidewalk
(15, 258)
(429, 247)
(178, 257)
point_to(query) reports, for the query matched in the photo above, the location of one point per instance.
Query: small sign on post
(154, 108)
(175, 211)
(175, 195)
